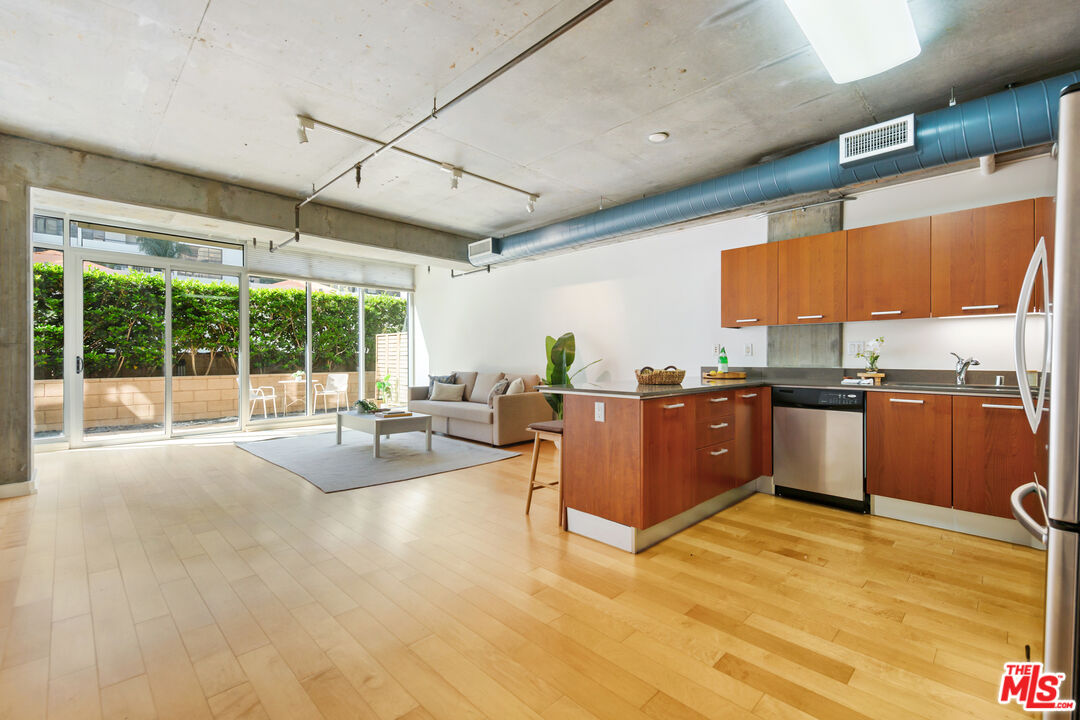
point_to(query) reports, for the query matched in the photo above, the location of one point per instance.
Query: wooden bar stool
(552, 431)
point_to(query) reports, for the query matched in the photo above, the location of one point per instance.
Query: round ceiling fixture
(658, 137)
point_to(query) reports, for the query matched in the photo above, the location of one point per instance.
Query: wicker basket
(668, 376)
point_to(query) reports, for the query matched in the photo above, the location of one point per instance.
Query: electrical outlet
(716, 349)
(598, 412)
(748, 350)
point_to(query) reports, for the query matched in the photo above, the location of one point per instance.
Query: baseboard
(18, 489)
(987, 526)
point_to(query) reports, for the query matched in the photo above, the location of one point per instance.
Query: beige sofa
(502, 424)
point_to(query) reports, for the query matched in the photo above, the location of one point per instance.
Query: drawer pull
(718, 452)
(980, 307)
(905, 400)
(724, 425)
(813, 317)
(676, 405)
(747, 320)
(992, 406)
(719, 399)
(887, 312)
(749, 395)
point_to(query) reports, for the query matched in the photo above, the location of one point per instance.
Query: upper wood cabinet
(909, 447)
(748, 286)
(1045, 209)
(888, 271)
(978, 258)
(812, 279)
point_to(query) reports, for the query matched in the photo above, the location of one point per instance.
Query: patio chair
(261, 394)
(337, 384)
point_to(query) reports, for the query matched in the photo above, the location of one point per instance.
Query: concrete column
(16, 364)
(818, 345)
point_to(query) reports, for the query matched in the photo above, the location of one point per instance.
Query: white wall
(656, 300)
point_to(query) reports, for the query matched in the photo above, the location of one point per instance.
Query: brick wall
(134, 401)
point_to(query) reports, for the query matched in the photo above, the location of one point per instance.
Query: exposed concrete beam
(58, 168)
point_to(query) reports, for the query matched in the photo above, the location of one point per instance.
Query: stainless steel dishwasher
(819, 446)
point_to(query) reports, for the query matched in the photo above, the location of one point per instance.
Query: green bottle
(722, 360)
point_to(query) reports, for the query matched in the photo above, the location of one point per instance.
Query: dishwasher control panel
(806, 397)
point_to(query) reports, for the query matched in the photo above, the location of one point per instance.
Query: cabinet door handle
(718, 452)
(905, 400)
(887, 312)
(717, 427)
(676, 405)
(980, 307)
(992, 406)
(749, 395)
(719, 399)
(747, 320)
(809, 317)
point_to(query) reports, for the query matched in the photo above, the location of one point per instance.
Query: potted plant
(384, 388)
(560, 356)
(871, 354)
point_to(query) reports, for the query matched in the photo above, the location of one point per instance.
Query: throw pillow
(448, 393)
(432, 379)
(531, 381)
(482, 388)
(468, 379)
(497, 389)
(516, 387)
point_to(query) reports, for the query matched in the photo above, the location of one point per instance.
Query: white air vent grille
(482, 251)
(876, 140)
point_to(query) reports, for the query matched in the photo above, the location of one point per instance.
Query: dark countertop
(690, 387)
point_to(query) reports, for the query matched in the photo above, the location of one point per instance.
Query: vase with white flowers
(871, 354)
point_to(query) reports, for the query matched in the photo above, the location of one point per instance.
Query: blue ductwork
(1010, 120)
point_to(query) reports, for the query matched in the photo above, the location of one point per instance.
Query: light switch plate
(854, 348)
(598, 411)
(748, 349)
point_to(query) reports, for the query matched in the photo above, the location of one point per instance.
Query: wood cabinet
(978, 258)
(715, 471)
(909, 447)
(748, 277)
(753, 424)
(812, 279)
(668, 445)
(994, 452)
(888, 271)
(1045, 209)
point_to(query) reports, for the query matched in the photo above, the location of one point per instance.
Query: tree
(160, 247)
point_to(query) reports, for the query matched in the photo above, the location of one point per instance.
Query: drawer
(715, 466)
(715, 430)
(714, 405)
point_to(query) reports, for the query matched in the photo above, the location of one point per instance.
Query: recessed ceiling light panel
(857, 38)
(658, 137)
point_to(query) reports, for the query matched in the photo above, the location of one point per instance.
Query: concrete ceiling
(212, 87)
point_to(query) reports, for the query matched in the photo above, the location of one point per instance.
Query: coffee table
(377, 427)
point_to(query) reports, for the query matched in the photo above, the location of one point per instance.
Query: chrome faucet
(962, 365)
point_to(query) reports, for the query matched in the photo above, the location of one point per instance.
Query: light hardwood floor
(181, 581)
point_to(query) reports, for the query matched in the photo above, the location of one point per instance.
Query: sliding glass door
(386, 347)
(123, 355)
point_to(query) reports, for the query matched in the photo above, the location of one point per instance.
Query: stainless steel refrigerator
(1058, 425)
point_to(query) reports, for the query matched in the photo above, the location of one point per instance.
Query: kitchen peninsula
(641, 462)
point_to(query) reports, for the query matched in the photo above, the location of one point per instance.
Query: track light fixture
(454, 178)
(531, 205)
(305, 124)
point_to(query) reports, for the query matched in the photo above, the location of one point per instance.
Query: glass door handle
(78, 364)
(1016, 500)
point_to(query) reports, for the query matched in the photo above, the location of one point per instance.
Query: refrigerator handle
(1030, 524)
(1038, 262)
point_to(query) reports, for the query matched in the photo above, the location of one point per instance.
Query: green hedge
(124, 327)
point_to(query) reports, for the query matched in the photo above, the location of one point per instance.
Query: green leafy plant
(560, 357)
(871, 353)
(384, 388)
(365, 406)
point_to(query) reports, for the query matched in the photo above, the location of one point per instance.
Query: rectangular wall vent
(875, 141)
(483, 251)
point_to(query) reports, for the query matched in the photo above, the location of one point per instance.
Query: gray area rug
(331, 467)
